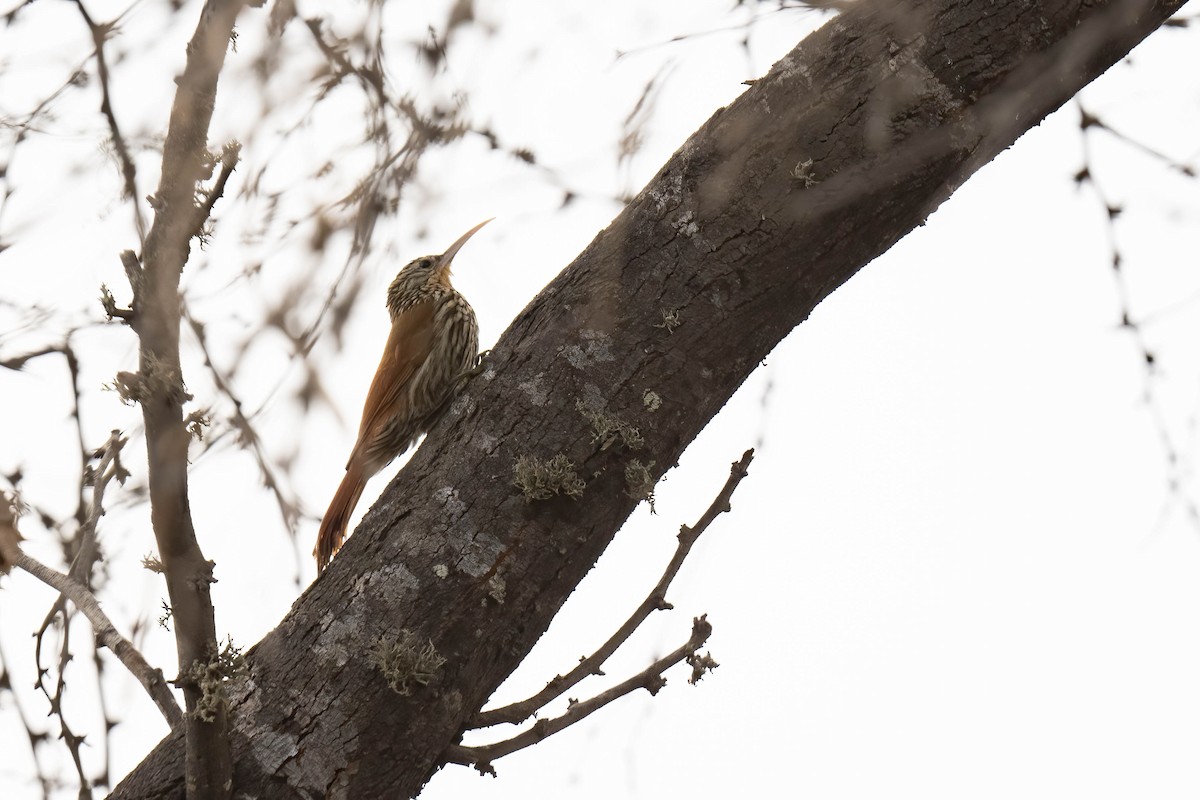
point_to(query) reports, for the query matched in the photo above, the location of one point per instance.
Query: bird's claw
(479, 359)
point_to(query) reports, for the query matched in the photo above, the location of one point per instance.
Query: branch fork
(650, 679)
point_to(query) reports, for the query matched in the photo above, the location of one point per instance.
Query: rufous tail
(333, 524)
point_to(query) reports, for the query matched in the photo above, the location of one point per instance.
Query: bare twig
(1090, 121)
(104, 777)
(71, 545)
(84, 543)
(650, 679)
(129, 190)
(288, 507)
(85, 456)
(135, 275)
(110, 467)
(34, 737)
(10, 550)
(23, 127)
(86, 553)
(1131, 322)
(228, 160)
(17, 363)
(655, 601)
(55, 697)
(149, 677)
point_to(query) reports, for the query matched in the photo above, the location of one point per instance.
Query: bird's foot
(479, 361)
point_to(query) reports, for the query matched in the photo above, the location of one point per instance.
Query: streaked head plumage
(426, 277)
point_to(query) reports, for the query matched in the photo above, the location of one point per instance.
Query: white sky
(954, 569)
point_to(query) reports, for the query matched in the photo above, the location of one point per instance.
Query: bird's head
(431, 272)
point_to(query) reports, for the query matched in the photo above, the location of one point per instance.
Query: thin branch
(71, 545)
(655, 601)
(134, 273)
(104, 701)
(1176, 464)
(110, 467)
(1187, 170)
(649, 679)
(34, 737)
(17, 363)
(84, 543)
(228, 160)
(81, 509)
(129, 190)
(55, 698)
(149, 677)
(288, 508)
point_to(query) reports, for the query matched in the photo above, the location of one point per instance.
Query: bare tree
(366, 687)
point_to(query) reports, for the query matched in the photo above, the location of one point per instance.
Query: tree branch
(160, 389)
(128, 170)
(34, 738)
(228, 160)
(55, 697)
(649, 679)
(289, 509)
(655, 601)
(109, 468)
(83, 544)
(149, 677)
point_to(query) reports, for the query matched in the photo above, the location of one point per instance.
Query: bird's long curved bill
(448, 256)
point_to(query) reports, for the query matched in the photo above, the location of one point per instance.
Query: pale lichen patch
(398, 578)
(536, 390)
(480, 554)
(596, 348)
(335, 642)
(639, 482)
(496, 587)
(667, 192)
(593, 396)
(448, 498)
(686, 224)
(463, 404)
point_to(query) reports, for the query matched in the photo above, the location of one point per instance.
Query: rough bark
(848, 143)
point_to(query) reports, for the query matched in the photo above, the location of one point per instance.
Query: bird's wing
(408, 345)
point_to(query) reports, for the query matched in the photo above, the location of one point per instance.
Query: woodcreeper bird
(431, 350)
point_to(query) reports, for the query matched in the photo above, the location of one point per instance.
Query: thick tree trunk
(848, 143)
